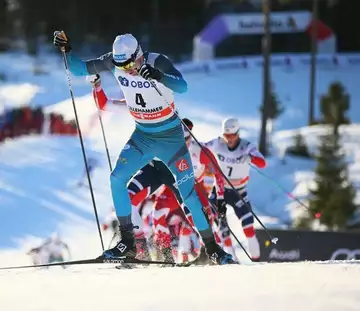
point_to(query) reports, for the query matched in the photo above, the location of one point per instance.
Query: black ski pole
(289, 194)
(82, 143)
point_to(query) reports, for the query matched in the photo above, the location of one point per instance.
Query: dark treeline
(166, 25)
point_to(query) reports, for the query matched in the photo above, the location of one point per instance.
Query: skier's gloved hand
(61, 41)
(95, 80)
(148, 72)
(221, 206)
(247, 158)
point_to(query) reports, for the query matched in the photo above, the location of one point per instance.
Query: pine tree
(276, 108)
(334, 106)
(334, 195)
(299, 147)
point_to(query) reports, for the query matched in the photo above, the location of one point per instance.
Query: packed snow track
(257, 287)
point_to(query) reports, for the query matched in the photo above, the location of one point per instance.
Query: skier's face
(133, 69)
(231, 139)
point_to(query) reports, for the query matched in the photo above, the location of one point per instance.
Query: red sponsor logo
(182, 165)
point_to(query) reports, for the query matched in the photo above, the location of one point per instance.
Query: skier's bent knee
(117, 179)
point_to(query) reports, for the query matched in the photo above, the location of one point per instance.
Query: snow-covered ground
(280, 287)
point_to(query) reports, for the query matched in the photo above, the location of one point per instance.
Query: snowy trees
(333, 197)
(332, 201)
(299, 147)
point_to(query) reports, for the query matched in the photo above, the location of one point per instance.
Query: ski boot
(217, 255)
(167, 254)
(202, 259)
(142, 249)
(126, 247)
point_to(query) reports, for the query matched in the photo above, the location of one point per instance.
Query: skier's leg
(143, 184)
(178, 160)
(226, 237)
(134, 156)
(167, 178)
(140, 188)
(242, 210)
(142, 249)
(164, 203)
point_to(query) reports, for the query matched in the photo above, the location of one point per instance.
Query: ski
(163, 264)
(63, 263)
(98, 260)
(128, 261)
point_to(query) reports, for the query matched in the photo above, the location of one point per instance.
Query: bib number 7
(139, 100)
(230, 169)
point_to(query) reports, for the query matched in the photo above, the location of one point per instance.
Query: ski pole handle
(62, 33)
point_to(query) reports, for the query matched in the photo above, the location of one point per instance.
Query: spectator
(16, 122)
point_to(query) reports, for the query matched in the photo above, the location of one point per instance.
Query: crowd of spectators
(16, 122)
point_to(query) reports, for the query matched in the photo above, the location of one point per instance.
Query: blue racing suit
(163, 140)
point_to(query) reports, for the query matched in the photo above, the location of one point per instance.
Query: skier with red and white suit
(235, 154)
(205, 163)
(166, 202)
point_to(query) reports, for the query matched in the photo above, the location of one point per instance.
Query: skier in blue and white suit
(158, 132)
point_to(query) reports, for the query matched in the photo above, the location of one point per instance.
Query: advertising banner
(225, 25)
(309, 245)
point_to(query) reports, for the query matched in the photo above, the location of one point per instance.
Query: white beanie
(126, 47)
(231, 126)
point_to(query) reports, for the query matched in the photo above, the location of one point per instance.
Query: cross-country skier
(205, 162)
(52, 250)
(158, 131)
(235, 154)
(155, 174)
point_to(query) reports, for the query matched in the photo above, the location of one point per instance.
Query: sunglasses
(127, 66)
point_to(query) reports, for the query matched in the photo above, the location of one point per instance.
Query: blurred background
(287, 69)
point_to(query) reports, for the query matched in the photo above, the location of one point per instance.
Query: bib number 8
(139, 100)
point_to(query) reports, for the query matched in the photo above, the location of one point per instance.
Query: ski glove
(95, 80)
(61, 41)
(246, 158)
(221, 206)
(148, 72)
